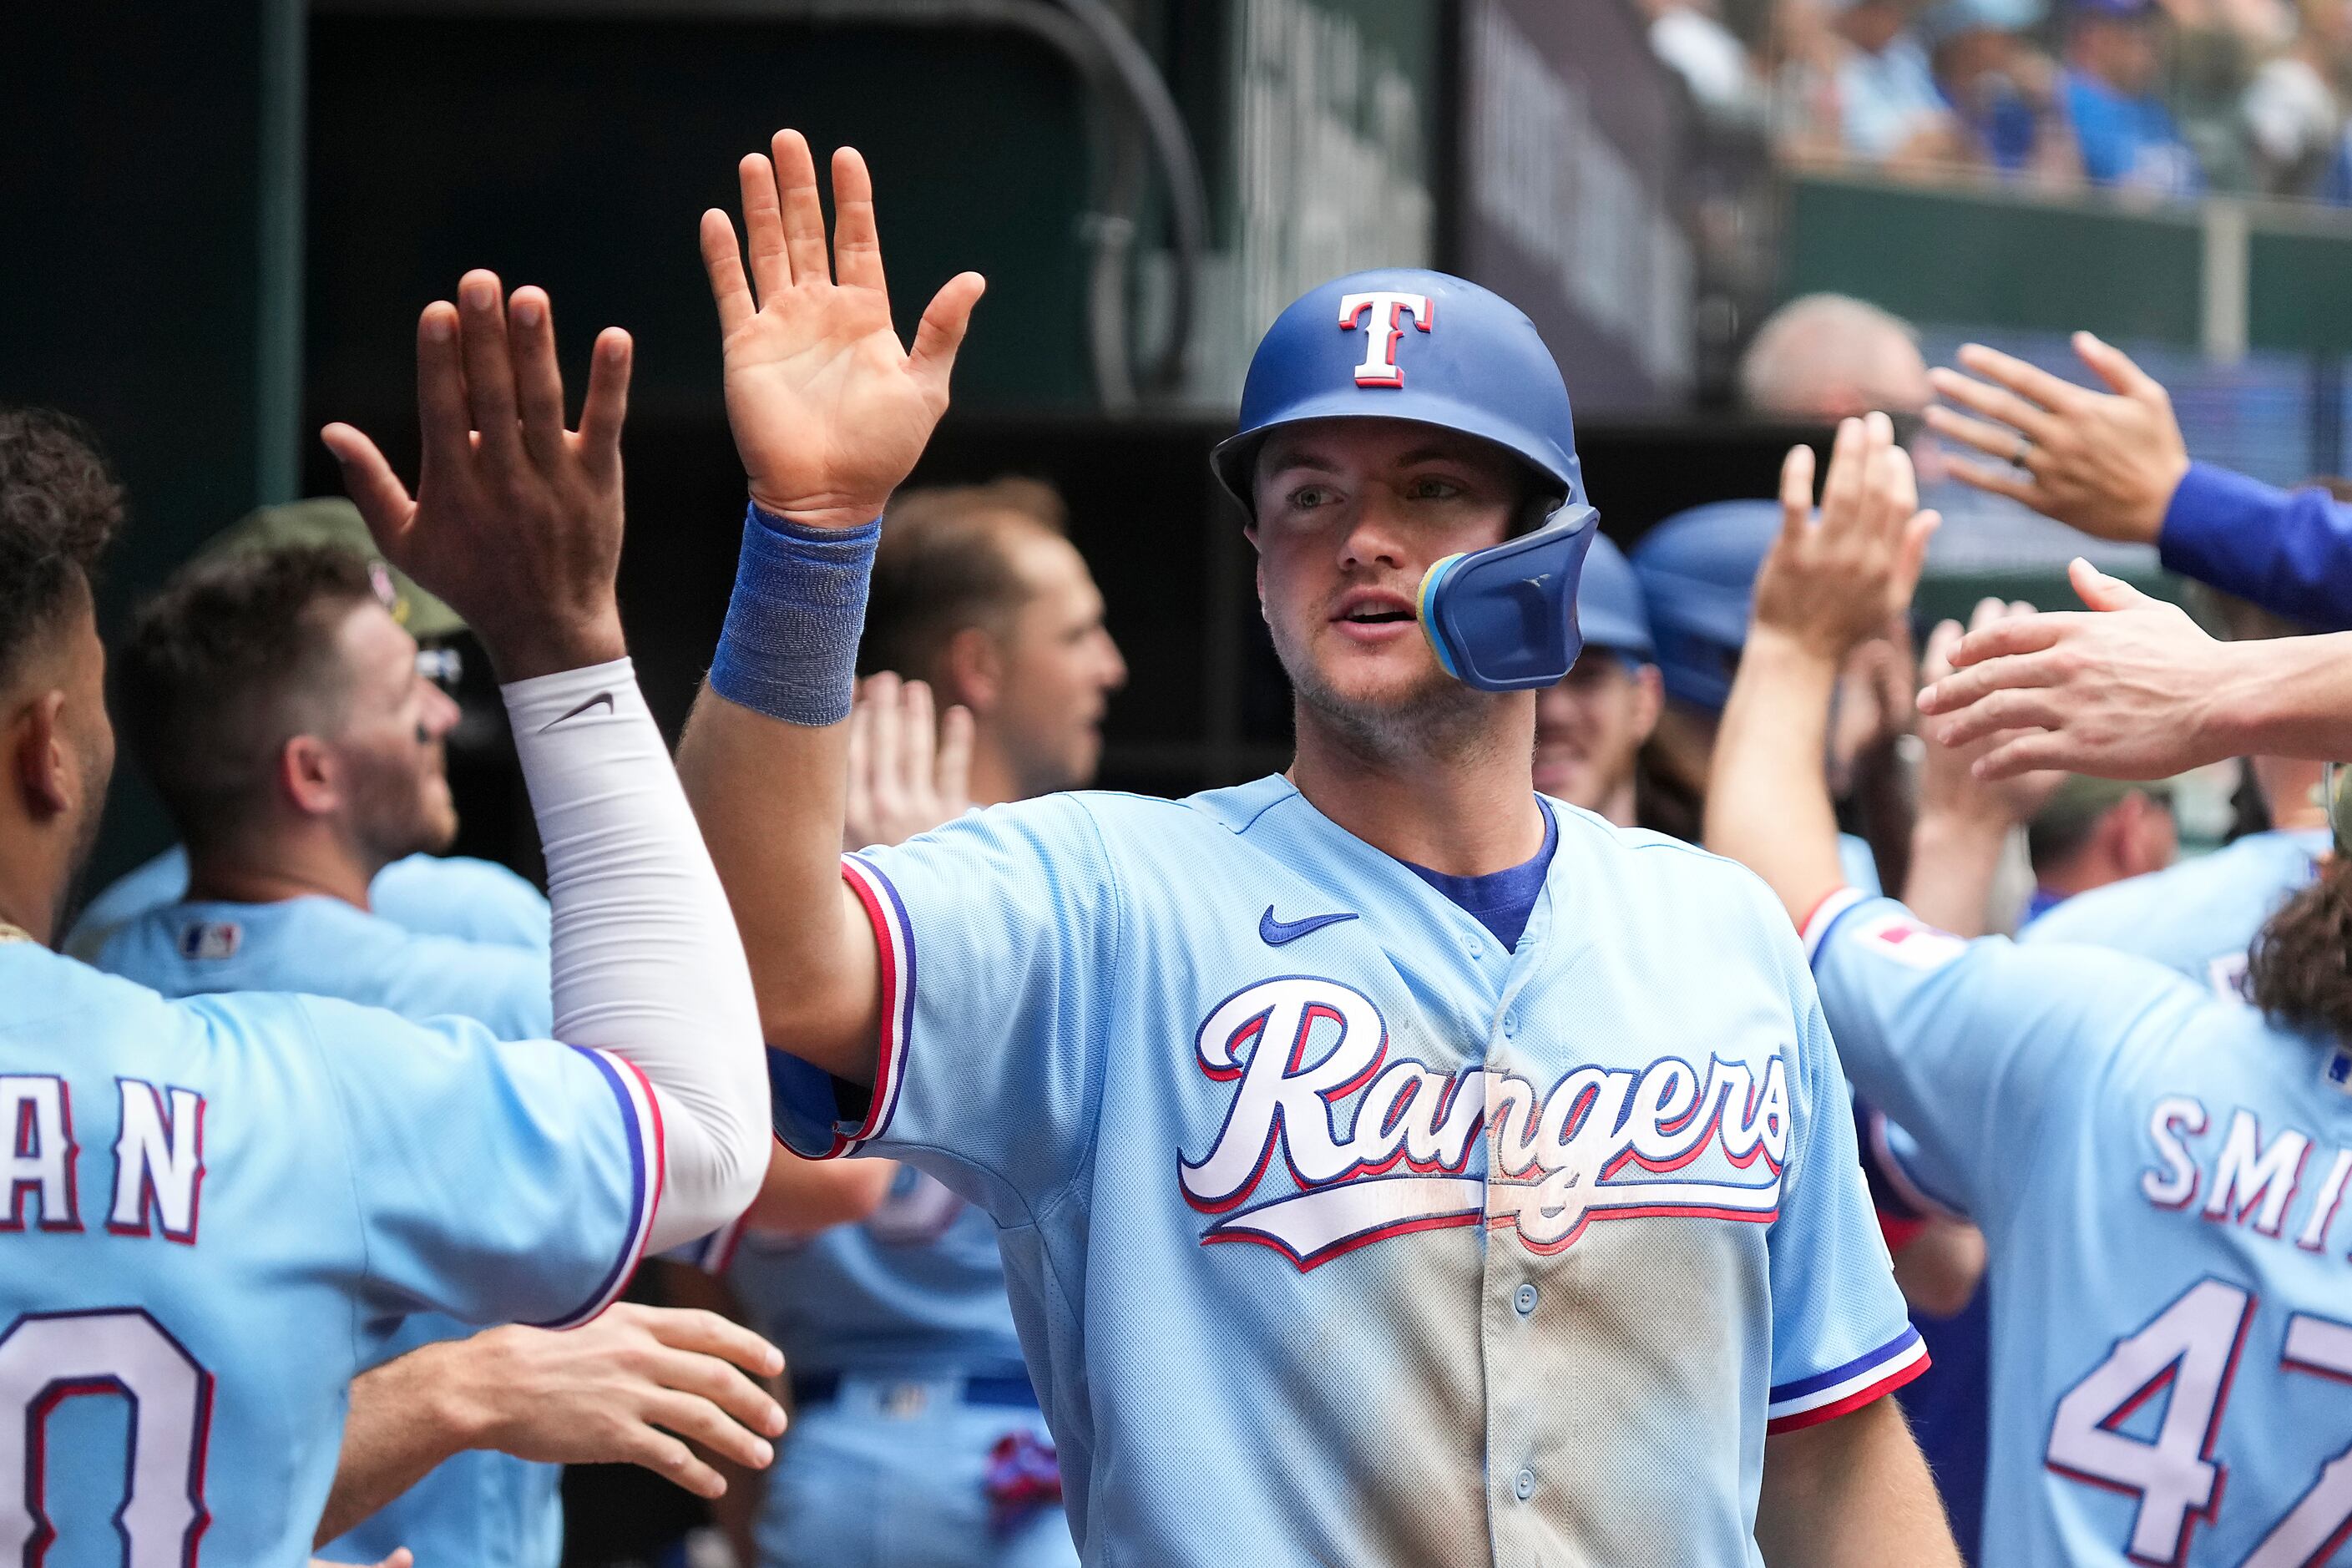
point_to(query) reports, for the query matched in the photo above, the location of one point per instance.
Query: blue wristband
(790, 646)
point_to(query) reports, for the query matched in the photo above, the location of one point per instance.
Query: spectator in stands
(2094, 832)
(1889, 108)
(1690, 37)
(2293, 108)
(2115, 61)
(2004, 92)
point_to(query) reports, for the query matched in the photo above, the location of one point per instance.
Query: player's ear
(1649, 702)
(40, 763)
(310, 776)
(974, 668)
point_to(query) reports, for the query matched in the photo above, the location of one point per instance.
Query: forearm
(1852, 1493)
(646, 962)
(2288, 552)
(1955, 860)
(2289, 697)
(405, 1418)
(1767, 797)
(769, 796)
(805, 1196)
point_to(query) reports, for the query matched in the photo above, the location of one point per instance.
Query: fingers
(2014, 638)
(442, 417)
(1918, 531)
(489, 365)
(1994, 403)
(2009, 707)
(1995, 440)
(2001, 481)
(955, 758)
(374, 487)
(2027, 751)
(606, 406)
(763, 225)
(884, 742)
(666, 1457)
(944, 322)
(2103, 593)
(722, 262)
(699, 1421)
(1936, 660)
(1842, 491)
(921, 732)
(2116, 368)
(538, 384)
(1796, 490)
(2036, 389)
(711, 1335)
(803, 210)
(857, 244)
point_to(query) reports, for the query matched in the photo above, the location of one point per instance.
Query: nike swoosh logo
(1275, 933)
(603, 697)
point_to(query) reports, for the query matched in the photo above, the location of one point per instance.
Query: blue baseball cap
(1609, 607)
(1698, 572)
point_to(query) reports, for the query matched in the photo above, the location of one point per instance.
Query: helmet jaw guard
(1504, 618)
(1421, 346)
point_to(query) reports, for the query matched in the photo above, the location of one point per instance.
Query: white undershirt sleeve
(648, 964)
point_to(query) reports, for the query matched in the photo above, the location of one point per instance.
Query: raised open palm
(829, 413)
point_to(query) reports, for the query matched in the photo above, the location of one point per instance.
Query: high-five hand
(1834, 579)
(516, 519)
(829, 413)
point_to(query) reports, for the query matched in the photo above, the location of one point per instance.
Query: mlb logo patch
(211, 940)
(1906, 941)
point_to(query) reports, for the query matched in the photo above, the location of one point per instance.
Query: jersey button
(1524, 1298)
(1511, 1022)
(1526, 1485)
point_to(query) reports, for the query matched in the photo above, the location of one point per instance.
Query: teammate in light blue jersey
(213, 1212)
(280, 712)
(1373, 1182)
(2159, 1172)
(431, 895)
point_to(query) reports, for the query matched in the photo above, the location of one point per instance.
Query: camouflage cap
(331, 520)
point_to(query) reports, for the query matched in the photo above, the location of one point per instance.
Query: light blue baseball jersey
(214, 1213)
(1337, 1233)
(437, 895)
(478, 1508)
(2159, 1173)
(2197, 917)
(916, 1290)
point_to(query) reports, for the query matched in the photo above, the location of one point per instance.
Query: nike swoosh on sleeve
(603, 697)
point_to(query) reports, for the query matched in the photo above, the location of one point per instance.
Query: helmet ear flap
(1504, 618)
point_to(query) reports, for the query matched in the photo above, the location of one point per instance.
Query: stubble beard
(1438, 720)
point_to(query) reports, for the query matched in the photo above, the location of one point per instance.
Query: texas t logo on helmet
(1500, 619)
(1379, 367)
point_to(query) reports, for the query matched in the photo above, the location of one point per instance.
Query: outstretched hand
(2105, 462)
(829, 413)
(2130, 692)
(1948, 785)
(1832, 583)
(515, 520)
(908, 772)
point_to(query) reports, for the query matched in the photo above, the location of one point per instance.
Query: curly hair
(59, 509)
(2300, 970)
(233, 658)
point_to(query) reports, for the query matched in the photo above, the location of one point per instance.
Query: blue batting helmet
(1698, 572)
(1406, 343)
(1609, 607)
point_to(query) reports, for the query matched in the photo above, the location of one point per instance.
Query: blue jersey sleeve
(457, 895)
(1840, 1335)
(507, 989)
(496, 1181)
(1973, 1047)
(998, 934)
(2289, 552)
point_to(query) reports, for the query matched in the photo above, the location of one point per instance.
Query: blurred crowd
(2166, 99)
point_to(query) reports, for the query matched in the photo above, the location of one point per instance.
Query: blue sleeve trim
(641, 1119)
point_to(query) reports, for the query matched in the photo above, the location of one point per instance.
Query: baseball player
(1591, 727)
(1371, 1183)
(215, 1211)
(428, 892)
(1697, 572)
(2158, 1172)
